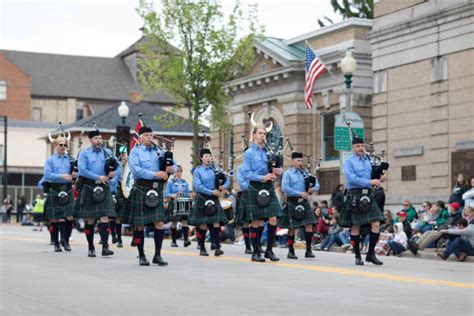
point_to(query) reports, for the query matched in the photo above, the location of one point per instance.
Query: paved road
(36, 281)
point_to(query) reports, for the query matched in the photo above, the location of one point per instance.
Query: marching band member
(240, 214)
(207, 208)
(145, 205)
(95, 198)
(60, 199)
(177, 187)
(360, 207)
(262, 202)
(297, 212)
(120, 203)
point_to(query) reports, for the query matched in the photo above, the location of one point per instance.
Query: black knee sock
(62, 231)
(104, 233)
(215, 235)
(68, 229)
(185, 232)
(374, 237)
(270, 236)
(308, 236)
(254, 238)
(246, 232)
(355, 242)
(112, 228)
(291, 242)
(158, 235)
(139, 239)
(55, 233)
(89, 231)
(173, 234)
(201, 236)
(118, 230)
(259, 234)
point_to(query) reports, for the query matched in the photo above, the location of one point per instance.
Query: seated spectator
(325, 208)
(462, 246)
(468, 196)
(344, 237)
(322, 226)
(333, 234)
(399, 242)
(409, 209)
(402, 218)
(460, 187)
(387, 226)
(431, 219)
(423, 216)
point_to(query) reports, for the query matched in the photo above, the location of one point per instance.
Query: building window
(37, 114)
(408, 173)
(79, 114)
(380, 81)
(264, 67)
(328, 136)
(439, 68)
(3, 90)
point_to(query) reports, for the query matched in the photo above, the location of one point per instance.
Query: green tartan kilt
(120, 201)
(138, 214)
(52, 210)
(88, 208)
(350, 217)
(198, 216)
(169, 213)
(255, 212)
(240, 212)
(287, 220)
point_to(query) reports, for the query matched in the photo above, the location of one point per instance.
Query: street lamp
(348, 66)
(123, 111)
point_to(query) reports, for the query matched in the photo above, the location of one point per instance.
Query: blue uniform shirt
(115, 180)
(358, 172)
(55, 167)
(204, 180)
(144, 162)
(293, 182)
(256, 163)
(243, 183)
(92, 162)
(176, 185)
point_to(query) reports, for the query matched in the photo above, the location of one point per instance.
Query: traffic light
(122, 134)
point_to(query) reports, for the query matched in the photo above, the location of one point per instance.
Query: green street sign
(342, 134)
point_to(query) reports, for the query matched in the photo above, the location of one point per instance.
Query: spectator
(344, 237)
(322, 226)
(38, 210)
(462, 246)
(432, 236)
(423, 216)
(325, 208)
(468, 196)
(399, 242)
(387, 226)
(20, 208)
(7, 208)
(402, 218)
(337, 198)
(333, 234)
(460, 187)
(409, 210)
(431, 219)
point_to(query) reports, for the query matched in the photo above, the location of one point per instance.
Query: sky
(106, 27)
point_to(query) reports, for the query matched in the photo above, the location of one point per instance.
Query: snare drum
(227, 208)
(182, 206)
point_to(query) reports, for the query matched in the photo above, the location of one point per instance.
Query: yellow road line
(372, 275)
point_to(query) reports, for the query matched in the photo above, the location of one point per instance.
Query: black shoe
(57, 248)
(91, 253)
(159, 261)
(203, 252)
(309, 254)
(174, 244)
(218, 252)
(106, 251)
(270, 255)
(187, 243)
(260, 249)
(142, 261)
(119, 244)
(372, 258)
(248, 251)
(291, 255)
(413, 247)
(114, 239)
(62, 243)
(359, 261)
(213, 247)
(256, 257)
(66, 246)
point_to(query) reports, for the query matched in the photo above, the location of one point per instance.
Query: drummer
(178, 188)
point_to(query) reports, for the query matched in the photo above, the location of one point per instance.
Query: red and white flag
(136, 133)
(314, 69)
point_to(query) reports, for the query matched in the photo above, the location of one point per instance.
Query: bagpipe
(111, 164)
(309, 178)
(67, 137)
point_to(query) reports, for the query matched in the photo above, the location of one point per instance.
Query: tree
(351, 9)
(191, 51)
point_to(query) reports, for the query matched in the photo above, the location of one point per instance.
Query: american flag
(314, 68)
(135, 134)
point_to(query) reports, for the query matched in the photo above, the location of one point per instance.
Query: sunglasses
(405, 204)
(62, 145)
